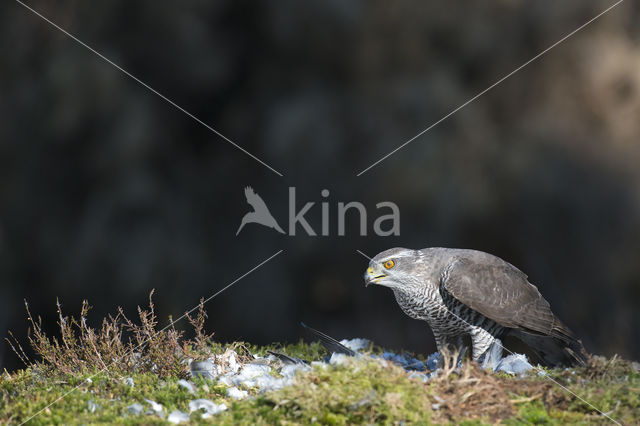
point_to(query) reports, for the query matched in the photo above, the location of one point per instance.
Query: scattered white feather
(514, 364)
(156, 408)
(236, 393)
(339, 359)
(92, 406)
(258, 376)
(135, 409)
(178, 416)
(356, 344)
(206, 369)
(226, 379)
(253, 375)
(289, 371)
(210, 408)
(188, 386)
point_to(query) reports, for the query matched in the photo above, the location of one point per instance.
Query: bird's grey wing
(331, 344)
(255, 200)
(501, 292)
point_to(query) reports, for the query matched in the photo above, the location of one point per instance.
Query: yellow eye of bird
(389, 264)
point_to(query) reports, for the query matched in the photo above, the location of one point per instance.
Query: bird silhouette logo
(260, 213)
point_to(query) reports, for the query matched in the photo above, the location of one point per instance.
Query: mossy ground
(84, 367)
(363, 391)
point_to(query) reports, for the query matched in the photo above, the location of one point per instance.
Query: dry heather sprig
(201, 338)
(119, 345)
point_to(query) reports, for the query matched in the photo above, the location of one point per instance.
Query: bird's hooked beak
(372, 276)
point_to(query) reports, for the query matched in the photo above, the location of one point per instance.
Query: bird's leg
(491, 358)
(486, 346)
(450, 347)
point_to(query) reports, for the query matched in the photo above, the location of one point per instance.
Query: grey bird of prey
(463, 293)
(260, 213)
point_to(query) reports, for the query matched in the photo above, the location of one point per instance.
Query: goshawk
(471, 293)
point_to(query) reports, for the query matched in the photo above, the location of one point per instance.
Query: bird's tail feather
(573, 345)
(554, 351)
(561, 331)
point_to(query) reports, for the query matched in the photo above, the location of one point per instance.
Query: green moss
(363, 391)
(534, 413)
(473, 422)
(306, 351)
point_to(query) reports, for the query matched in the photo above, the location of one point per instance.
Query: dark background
(107, 191)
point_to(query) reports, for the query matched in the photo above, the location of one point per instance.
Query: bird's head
(393, 268)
